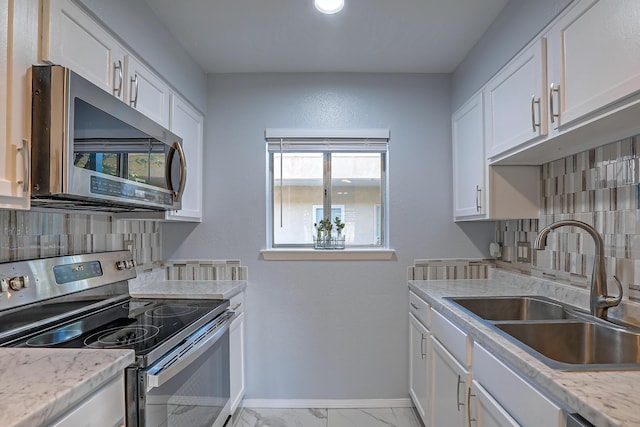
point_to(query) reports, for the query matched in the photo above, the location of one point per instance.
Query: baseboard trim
(327, 403)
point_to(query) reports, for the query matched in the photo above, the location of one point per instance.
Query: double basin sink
(559, 335)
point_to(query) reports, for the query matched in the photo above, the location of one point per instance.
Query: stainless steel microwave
(91, 151)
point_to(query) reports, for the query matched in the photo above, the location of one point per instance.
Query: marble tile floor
(369, 417)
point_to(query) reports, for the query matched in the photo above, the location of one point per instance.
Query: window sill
(307, 254)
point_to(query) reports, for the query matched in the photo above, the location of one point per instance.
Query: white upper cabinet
(469, 159)
(516, 101)
(593, 57)
(146, 92)
(591, 79)
(71, 38)
(188, 124)
(480, 191)
(17, 53)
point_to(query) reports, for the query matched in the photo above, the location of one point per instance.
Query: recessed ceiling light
(329, 6)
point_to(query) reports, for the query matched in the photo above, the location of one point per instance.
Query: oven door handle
(183, 355)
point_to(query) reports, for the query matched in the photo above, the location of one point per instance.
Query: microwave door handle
(177, 195)
(159, 374)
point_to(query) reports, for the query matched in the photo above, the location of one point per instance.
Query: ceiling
(402, 36)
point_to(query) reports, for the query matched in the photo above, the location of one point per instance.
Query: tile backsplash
(205, 270)
(600, 187)
(28, 235)
(449, 269)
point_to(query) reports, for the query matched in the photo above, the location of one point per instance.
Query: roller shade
(327, 140)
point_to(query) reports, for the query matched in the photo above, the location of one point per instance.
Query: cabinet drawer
(419, 308)
(236, 303)
(453, 338)
(526, 404)
(105, 407)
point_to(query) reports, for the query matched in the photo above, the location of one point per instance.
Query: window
(327, 174)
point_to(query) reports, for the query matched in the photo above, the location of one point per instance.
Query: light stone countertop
(605, 398)
(38, 385)
(188, 289)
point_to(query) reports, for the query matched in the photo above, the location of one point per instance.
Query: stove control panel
(126, 264)
(15, 283)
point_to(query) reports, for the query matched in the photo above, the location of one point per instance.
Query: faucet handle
(614, 301)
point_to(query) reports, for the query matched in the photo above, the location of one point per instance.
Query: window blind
(327, 140)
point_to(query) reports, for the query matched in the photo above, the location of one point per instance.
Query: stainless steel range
(181, 372)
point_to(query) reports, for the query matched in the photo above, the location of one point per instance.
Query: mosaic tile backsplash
(600, 187)
(205, 270)
(28, 235)
(449, 269)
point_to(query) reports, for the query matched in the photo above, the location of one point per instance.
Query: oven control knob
(121, 265)
(18, 282)
(4, 285)
(129, 263)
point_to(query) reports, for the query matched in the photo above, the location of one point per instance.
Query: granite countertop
(39, 385)
(189, 289)
(605, 398)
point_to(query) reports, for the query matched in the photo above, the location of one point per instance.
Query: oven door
(190, 385)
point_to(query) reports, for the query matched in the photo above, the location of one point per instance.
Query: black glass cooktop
(136, 324)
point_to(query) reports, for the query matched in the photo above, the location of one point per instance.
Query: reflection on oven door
(196, 396)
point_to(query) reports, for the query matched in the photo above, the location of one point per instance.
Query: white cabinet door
(237, 360)
(188, 124)
(516, 101)
(418, 364)
(449, 381)
(104, 408)
(593, 56)
(524, 402)
(146, 92)
(73, 39)
(485, 411)
(18, 51)
(469, 162)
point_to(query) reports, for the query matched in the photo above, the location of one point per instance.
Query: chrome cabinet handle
(469, 395)
(423, 352)
(134, 84)
(478, 194)
(26, 159)
(117, 89)
(554, 115)
(535, 101)
(414, 306)
(460, 404)
(177, 194)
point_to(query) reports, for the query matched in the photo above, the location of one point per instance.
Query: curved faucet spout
(599, 301)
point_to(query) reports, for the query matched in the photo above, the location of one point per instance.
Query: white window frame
(327, 141)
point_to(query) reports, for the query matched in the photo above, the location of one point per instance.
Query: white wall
(327, 329)
(517, 24)
(135, 23)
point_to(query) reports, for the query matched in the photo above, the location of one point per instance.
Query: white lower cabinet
(449, 380)
(484, 411)
(418, 366)
(454, 382)
(237, 352)
(527, 405)
(104, 408)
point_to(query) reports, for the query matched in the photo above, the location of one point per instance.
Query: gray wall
(516, 25)
(136, 24)
(320, 329)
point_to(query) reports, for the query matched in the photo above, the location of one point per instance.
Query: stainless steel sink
(559, 335)
(513, 308)
(581, 343)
